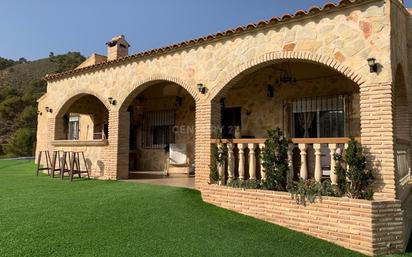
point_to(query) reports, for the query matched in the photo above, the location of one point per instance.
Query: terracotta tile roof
(275, 20)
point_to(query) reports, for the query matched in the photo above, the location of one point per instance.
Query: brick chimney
(117, 48)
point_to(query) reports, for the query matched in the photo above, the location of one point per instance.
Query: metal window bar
(157, 129)
(332, 104)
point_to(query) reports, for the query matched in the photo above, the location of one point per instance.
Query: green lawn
(40, 216)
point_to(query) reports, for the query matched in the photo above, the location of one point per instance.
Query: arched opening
(402, 116)
(162, 131)
(402, 133)
(84, 118)
(317, 108)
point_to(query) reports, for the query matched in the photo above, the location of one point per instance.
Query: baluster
(221, 168)
(262, 169)
(344, 154)
(252, 162)
(230, 162)
(241, 161)
(333, 175)
(303, 165)
(290, 161)
(318, 165)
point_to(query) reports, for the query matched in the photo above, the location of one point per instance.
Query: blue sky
(33, 28)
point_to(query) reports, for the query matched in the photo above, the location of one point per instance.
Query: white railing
(307, 158)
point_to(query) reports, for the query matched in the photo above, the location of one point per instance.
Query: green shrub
(21, 143)
(274, 160)
(310, 189)
(360, 178)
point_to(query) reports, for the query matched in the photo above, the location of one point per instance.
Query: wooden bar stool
(56, 161)
(48, 162)
(76, 167)
(64, 164)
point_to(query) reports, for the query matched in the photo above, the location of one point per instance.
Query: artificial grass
(40, 216)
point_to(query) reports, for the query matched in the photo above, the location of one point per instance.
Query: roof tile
(300, 13)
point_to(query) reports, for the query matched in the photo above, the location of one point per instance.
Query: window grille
(73, 131)
(158, 129)
(316, 117)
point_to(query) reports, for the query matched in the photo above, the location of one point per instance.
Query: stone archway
(277, 57)
(91, 109)
(158, 112)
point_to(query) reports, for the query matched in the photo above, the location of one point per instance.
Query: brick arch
(141, 85)
(70, 99)
(59, 130)
(402, 98)
(278, 57)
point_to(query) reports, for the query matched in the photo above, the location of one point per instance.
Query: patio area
(158, 178)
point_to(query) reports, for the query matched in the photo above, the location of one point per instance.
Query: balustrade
(307, 158)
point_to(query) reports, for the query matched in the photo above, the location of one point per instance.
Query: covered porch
(317, 108)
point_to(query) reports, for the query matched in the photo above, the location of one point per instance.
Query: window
(73, 127)
(317, 117)
(231, 118)
(158, 129)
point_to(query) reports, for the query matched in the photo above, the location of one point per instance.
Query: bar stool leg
(38, 163)
(63, 165)
(72, 166)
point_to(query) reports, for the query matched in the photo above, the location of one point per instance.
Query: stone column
(116, 160)
(252, 162)
(205, 123)
(231, 162)
(318, 166)
(333, 175)
(221, 168)
(303, 165)
(377, 135)
(241, 161)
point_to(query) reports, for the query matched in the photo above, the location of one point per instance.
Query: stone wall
(369, 227)
(94, 153)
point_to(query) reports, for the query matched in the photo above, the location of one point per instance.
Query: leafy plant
(356, 180)
(247, 184)
(219, 156)
(360, 178)
(274, 160)
(214, 174)
(308, 190)
(340, 171)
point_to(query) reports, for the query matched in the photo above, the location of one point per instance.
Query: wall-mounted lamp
(48, 109)
(111, 100)
(179, 100)
(372, 65)
(270, 91)
(201, 88)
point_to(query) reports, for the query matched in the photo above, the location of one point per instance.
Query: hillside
(20, 86)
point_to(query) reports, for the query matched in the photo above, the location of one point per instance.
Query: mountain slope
(21, 85)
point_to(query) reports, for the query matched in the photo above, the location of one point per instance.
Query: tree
(275, 160)
(21, 143)
(27, 118)
(360, 178)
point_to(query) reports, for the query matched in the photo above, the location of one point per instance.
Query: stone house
(321, 75)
